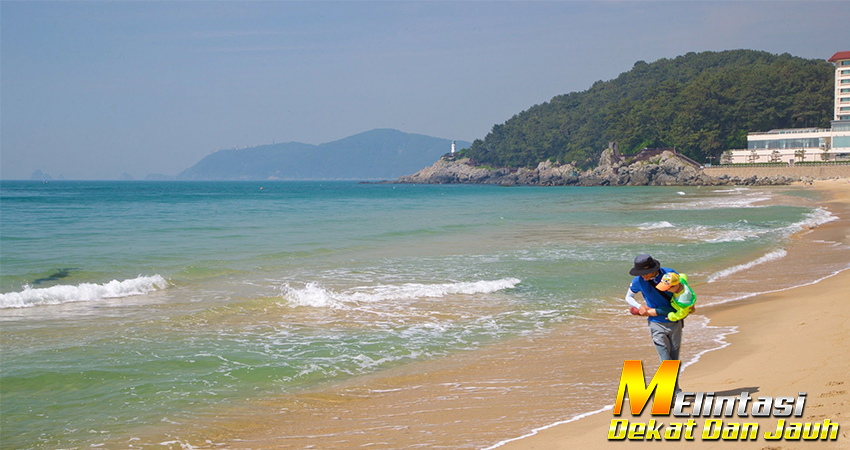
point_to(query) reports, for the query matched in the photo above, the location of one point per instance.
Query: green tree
(700, 103)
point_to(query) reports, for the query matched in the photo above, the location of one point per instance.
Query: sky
(91, 90)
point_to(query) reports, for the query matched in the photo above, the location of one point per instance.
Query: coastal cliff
(667, 169)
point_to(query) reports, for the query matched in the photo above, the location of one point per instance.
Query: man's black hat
(645, 264)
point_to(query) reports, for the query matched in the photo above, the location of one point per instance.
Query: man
(666, 335)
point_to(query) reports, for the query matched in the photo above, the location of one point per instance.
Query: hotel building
(842, 85)
(806, 144)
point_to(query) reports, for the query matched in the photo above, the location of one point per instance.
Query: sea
(138, 314)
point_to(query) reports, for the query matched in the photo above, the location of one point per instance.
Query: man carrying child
(659, 286)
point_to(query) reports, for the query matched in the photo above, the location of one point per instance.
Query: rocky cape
(667, 169)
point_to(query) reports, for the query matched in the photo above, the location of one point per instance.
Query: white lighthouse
(453, 147)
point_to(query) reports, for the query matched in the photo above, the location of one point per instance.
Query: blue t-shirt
(653, 297)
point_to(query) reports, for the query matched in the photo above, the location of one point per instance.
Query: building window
(845, 81)
(845, 90)
(845, 72)
(844, 108)
(845, 100)
(841, 141)
(785, 144)
(846, 62)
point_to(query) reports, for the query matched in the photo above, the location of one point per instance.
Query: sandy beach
(785, 342)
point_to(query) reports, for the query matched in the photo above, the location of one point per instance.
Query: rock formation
(667, 169)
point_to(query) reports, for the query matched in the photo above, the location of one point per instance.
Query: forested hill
(700, 103)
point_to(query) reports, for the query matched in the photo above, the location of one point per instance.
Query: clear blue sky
(89, 90)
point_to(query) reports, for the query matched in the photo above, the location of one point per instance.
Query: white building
(806, 144)
(842, 85)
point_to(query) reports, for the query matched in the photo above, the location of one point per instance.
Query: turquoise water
(125, 305)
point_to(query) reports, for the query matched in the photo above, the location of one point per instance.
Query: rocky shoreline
(667, 169)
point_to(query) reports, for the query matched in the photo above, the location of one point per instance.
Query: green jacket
(682, 301)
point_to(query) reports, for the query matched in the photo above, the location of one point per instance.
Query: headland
(666, 168)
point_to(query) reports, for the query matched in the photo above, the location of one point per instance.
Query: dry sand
(787, 342)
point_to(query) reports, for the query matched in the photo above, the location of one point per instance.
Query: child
(683, 296)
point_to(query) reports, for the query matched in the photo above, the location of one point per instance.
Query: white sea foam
(772, 256)
(546, 427)
(816, 218)
(655, 225)
(788, 288)
(740, 189)
(725, 235)
(705, 234)
(317, 296)
(85, 292)
(733, 198)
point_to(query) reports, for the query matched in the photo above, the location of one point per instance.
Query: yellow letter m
(663, 383)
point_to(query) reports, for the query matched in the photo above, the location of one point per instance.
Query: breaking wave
(85, 292)
(729, 198)
(816, 218)
(317, 296)
(772, 256)
(655, 225)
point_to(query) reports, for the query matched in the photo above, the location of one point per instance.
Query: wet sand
(786, 342)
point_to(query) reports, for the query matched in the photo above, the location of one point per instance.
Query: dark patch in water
(60, 273)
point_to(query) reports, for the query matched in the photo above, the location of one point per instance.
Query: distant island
(377, 154)
(38, 175)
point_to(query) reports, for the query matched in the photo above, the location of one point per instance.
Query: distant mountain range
(376, 154)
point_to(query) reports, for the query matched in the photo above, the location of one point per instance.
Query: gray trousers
(667, 338)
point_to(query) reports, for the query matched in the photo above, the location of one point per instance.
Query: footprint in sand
(832, 394)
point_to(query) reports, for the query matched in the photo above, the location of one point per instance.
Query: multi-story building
(806, 144)
(842, 85)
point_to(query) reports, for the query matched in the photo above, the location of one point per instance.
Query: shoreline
(751, 355)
